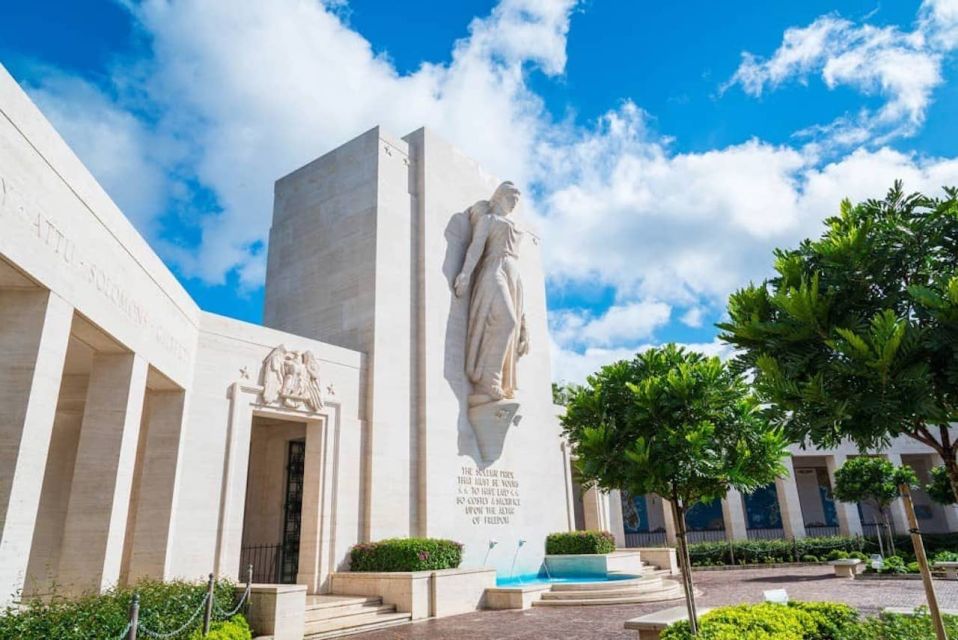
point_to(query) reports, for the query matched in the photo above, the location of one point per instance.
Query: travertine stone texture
(278, 610)
(152, 518)
(96, 519)
(339, 270)
(733, 513)
(34, 329)
(788, 502)
(365, 246)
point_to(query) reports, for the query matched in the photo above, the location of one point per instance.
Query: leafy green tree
(856, 337)
(939, 489)
(562, 391)
(872, 480)
(674, 423)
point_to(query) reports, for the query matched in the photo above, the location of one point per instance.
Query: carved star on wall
(330, 390)
(244, 373)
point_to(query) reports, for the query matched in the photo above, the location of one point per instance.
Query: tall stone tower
(365, 248)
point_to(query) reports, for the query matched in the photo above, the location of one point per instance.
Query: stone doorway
(272, 522)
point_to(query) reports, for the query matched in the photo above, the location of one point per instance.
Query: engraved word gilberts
(291, 379)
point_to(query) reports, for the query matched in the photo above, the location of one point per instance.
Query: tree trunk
(919, 546)
(685, 566)
(886, 525)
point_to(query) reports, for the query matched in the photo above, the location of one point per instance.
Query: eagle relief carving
(291, 379)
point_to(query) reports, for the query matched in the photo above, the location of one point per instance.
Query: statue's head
(505, 199)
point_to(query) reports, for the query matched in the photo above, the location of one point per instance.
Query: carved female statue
(497, 335)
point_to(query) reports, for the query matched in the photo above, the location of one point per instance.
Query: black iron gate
(279, 563)
(292, 511)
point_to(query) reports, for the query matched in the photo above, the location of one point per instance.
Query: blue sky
(667, 147)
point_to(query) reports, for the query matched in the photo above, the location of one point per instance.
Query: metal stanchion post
(208, 616)
(134, 616)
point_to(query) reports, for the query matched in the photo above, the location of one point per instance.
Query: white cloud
(903, 67)
(574, 366)
(129, 160)
(687, 229)
(243, 92)
(693, 317)
(618, 324)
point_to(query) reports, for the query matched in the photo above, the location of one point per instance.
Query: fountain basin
(593, 564)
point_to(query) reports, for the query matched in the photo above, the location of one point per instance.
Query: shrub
(830, 618)
(236, 628)
(837, 554)
(768, 621)
(576, 542)
(756, 551)
(858, 555)
(890, 626)
(810, 558)
(164, 606)
(893, 564)
(945, 556)
(406, 554)
(912, 567)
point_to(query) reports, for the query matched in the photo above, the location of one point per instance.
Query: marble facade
(143, 437)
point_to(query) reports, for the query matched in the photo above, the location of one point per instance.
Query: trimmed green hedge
(579, 542)
(706, 554)
(807, 621)
(769, 621)
(406, 554)
(164, 606)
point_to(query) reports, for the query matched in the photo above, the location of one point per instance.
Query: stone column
(96, 521)
(34, 333)
(849, 522)
(595, 510)
(788, 502)
(899, 521)
(233, 496)
(616, 520)
(569, 492)
(313, 568)
(669, 520)
(153, 508)
(733, 513)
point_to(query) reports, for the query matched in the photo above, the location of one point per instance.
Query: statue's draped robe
(495, 309)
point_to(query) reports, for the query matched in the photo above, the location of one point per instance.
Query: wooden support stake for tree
(919, 546)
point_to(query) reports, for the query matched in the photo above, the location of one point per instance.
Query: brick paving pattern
(718, 588)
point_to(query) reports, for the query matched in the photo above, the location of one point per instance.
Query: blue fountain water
(534, 579)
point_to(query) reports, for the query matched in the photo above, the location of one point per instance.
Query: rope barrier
(162, 635)
(123, 634)
(224, 615)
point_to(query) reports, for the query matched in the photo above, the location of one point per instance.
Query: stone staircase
(650, 587)
(337, 616)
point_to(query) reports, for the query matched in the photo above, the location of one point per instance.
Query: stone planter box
(595, 564)
(277, 610)
(424, 594)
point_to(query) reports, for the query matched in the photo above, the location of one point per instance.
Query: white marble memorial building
(400, 385)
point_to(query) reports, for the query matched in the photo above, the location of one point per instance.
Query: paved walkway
(718, 587)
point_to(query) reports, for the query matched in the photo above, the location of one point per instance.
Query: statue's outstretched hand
(461, 285)
(523, 347)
